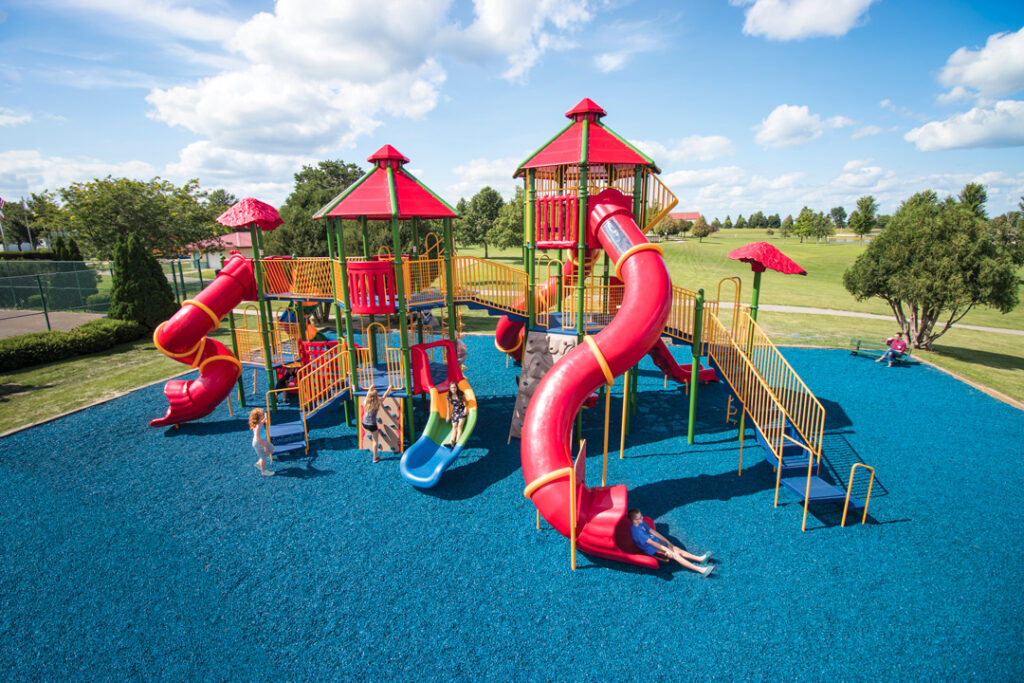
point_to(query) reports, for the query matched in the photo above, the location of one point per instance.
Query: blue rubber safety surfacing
(128, 551)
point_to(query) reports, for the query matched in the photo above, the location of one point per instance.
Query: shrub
(97, 302)
(140, 290)
(36, 348)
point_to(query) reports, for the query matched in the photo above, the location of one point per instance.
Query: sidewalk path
(872, 316)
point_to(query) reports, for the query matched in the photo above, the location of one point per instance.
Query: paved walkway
(13, 322)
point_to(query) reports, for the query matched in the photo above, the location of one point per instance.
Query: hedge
(36, 348)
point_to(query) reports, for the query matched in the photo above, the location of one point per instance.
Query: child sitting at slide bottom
(263, 448)
(456, 413)
(651, 542)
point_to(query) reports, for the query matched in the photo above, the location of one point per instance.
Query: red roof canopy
(371, 196)
(761, 255)
(604, 146)
(249, 211)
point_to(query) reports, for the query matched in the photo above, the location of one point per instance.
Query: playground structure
(599, 285)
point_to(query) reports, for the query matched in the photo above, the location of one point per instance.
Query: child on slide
(263, 448)
(651, 542)
(456, 412)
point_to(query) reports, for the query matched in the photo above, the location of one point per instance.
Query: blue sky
(746, 105)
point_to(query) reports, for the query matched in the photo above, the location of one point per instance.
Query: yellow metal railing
(849, 488)
(656, 199)
(298, 277)
(600, 303)
(424, 279)
(799, 404)
(390, 356)
(681, 315)
(322, 379)
(490, 283)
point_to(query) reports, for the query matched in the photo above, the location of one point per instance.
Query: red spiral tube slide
(184, 339)
(602, 525)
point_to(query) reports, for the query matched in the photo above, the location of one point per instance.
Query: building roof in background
(233, 240)
(685, 215)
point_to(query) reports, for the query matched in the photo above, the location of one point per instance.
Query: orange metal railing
(600, 303)
(303, 277)
(490, 283)
(321, 380)
(424, 280)
(391, 356)
(681, 316)
(656, 199)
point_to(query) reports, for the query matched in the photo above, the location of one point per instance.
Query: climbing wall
(389, 422)
(542, 350)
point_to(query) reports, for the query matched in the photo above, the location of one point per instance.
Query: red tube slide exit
(184, 339)
(602, 526)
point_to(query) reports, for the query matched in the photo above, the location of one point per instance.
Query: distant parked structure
(222, 246)
(685, 215)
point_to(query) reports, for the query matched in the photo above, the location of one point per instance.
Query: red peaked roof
(249, 211)
(372, 195)
(761, 255)
(604, 146)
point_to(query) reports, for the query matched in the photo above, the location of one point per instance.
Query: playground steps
(542, 351)
(821, 491)
(793, 456)
(284, 436)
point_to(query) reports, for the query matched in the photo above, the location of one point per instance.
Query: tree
(726, 224)
(973, 198)
(140, 290)
(741, 222)
(717, 224)
(17, 225)
(701, 229)
(774, 222)
(838, 216)
(862, 220)
(805, 224)
(507, 232)
(937, 259)
(757, 221)
(479, 218)
(787, 227)
(314, 187)
(165, 217)
(685, 226)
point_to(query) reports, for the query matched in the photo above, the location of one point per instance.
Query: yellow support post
(625, 409)
(607, 413)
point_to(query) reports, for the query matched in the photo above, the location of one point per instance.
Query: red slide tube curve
(602, 526)
(184, 339)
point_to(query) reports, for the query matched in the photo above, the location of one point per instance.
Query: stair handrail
(505, 286)
(849, 488)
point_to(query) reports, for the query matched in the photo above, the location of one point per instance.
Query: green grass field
(990, 359)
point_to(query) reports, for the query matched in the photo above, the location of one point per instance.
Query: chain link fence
(40, 295)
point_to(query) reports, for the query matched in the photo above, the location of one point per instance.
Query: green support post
(449, 284)
(42, 299)
(754, 296)
(371, 337)
(698, 332)
(265, 310)
(181, 274)
(530, 241)
(234, 347)
(332, 254)
(403, 330)
(582, 194)
(339, 240)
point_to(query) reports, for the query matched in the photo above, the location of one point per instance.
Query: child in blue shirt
(651, 542)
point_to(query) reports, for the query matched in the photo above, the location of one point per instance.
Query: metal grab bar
(849, 488)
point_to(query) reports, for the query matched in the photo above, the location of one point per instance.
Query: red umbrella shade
(761, 255)
(249, 211)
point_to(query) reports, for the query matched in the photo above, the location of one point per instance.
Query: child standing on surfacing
(456, 412)
(263, 448)
(371, 405)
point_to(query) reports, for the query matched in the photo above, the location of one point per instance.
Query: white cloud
(692, 148)
(999, 125)
(995, 70)
(8, 117)
(629, 39)
(796, 19)
(480, 172)
(866, 132)
(790, 126)
(168, 16)
(611, 61)
(24, 171)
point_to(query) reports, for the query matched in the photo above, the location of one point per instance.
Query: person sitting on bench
(651, 542)
(896, 348)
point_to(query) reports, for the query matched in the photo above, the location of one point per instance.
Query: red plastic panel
(371, 287)
(557, 220)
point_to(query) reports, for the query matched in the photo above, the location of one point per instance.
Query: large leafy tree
(316, 185)
(838, 216)
(973, 198)
(166, 218)
(701, 229)
(17, 225)
(934, 262)
(863, 219)
(481, 213)
(786, 227)
(507, 231)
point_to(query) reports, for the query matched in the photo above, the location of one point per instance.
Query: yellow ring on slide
(513, 349)
(644, 246)
(609, 378)
(199, 353)
(547, 478)
(170, 354)
(205, 309)
(234, 360)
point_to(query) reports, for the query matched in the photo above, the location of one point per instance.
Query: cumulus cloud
(477, 173)
(995, 70)
(797, 19)
(790, 126)
(8, 117)
(24, 171)
(167, 16)
(692, 148)
(999, 125)
(628, 39)
(866, 132)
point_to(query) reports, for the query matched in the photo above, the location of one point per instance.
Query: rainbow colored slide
(602, 525)
(184, 339)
